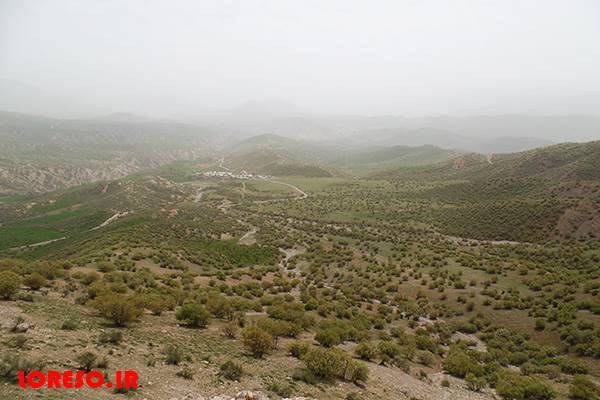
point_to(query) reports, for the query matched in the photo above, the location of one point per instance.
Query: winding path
(302, 194)
(45, 242)
(111, 219)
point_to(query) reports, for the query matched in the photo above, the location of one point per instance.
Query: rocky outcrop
(32, 177)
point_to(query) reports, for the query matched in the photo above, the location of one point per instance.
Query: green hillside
(534, 195)
(393, 156)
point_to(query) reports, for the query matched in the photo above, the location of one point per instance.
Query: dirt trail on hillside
(302, 194)
(458, 239)
(249, 237)
(221, 161)
(111, 219)
(45, 242)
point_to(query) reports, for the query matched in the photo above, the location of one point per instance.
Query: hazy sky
(369, 57)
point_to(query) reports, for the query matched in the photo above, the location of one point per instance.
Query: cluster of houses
(241, 175)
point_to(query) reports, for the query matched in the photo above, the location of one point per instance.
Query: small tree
(459, 364)
(35, 281)
(326, 364)
(388, 350)
(193, 315)
(120, 309)
(298, 349)
(157, 303)
(220, 307)
(257, 342)
(366, 351)
(10, 283)
(328, 337)
(357, 372)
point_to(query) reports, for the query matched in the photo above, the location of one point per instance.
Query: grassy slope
(517, 196)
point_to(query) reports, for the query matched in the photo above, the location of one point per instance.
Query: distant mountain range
(41, 153)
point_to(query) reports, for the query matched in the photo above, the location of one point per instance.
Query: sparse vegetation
(257, 342)
(193, 315)
(360, 281)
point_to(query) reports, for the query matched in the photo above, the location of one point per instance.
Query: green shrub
(257, 341)
(572, 366)
(513, 386)
(35, 281)
(220, 307)
(425, 358)
(540, 324)
(105, 267)
(459, 364)
(119, 309)
(231, 370)
(328, 337)
(388, 350)
(582, 388)
(173, 355)
(157, 304)
(366, 351)
(193, 315)
(10, 283)
(291, 312)
(475, 383)
(326, 364)
(278, 328)
(304, 375)
(356, 372)
(298, 349)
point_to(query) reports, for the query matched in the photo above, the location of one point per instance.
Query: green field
(13, 237)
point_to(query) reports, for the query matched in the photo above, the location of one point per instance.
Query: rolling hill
(270, 162)
(394, 156)
(548, 193)
(277, 155)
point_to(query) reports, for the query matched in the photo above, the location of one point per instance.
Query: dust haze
(189, 59)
